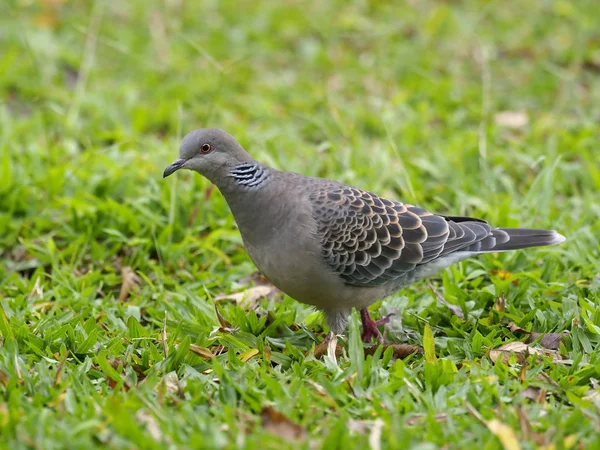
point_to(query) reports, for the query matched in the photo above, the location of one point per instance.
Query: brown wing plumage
(369, 240)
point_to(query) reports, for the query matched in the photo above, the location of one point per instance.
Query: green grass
(400, 99)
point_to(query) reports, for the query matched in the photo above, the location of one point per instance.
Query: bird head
(210, 152)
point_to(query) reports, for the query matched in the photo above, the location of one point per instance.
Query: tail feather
(503, 239)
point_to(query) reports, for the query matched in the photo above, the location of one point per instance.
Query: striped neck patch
(250, 175)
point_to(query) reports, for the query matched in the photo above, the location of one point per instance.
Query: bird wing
(369, 240)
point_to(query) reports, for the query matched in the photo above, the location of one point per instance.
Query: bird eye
(205, 148)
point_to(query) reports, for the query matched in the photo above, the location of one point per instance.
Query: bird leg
(370, 330)
(327, 338)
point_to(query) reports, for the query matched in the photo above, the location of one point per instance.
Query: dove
(334, 246)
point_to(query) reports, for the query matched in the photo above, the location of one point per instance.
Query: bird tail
(503, 239)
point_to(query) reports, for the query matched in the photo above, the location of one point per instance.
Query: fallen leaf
(201, 351)
(505, 434)
(130, 282)
(535, 394)
(248, 299)
(547, 340)
(321, 350)
(513, 327)
(320, 389)
(399, 351)
(521, 350)
(455, 309)
(276, 423)
(511, 119)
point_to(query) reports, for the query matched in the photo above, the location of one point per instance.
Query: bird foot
(370, 329)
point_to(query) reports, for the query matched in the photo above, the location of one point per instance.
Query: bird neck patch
(250, 175)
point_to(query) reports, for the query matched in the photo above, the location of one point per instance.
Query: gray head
(210, 152)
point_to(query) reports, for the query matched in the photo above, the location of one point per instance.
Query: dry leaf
(501, 302)
(399, 351)
(455, 309)
(201, 351)
(276, 423)
(523, 372)
(320, 389)
(267, 354)
(129, 284)
(536, 394)
(511, 119)
(505, 434)
(521, 351)
(548, 340)
(321, 350)
(225, 325)
(61, 363)
(36, 291)
(248, 299)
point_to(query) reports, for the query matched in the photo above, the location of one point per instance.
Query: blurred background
(467, 107)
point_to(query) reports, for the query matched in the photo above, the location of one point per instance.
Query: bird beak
(178, 164)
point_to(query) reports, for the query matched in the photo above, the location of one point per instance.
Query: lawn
(118, 328)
